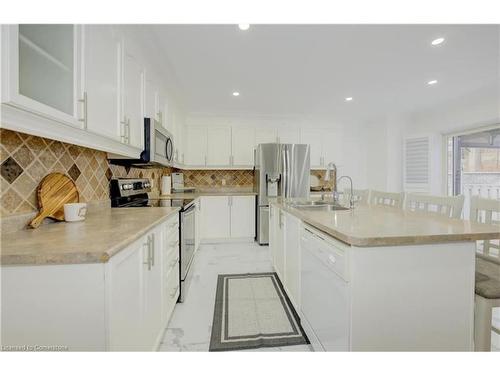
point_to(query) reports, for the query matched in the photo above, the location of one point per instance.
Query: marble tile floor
(191, 324)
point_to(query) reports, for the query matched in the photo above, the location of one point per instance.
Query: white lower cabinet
(227, 217)
(292, 258)
(215, 217)
(122, 305)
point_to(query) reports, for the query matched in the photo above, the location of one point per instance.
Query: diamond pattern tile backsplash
(26, 159)
(218, 178)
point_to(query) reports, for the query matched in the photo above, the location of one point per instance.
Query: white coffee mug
(75, 211)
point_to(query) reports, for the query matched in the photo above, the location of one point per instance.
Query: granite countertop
(103, 234)
(368, 226)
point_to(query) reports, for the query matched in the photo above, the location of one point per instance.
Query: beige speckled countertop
(368, 226)
(103, 234)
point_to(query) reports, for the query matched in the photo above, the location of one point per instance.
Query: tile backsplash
(26, 159)
(213, 178)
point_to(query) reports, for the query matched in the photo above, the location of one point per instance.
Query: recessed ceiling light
(236, 93)
(348, 99)
(432, 82)
(437, 41)
(243, 26)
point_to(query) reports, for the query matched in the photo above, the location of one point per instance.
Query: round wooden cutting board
(55, 190)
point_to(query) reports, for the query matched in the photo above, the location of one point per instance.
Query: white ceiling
(310, 69)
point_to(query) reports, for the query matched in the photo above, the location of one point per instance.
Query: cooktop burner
(126, 192)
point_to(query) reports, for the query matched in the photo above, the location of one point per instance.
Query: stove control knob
(127, 186)
(146, 185)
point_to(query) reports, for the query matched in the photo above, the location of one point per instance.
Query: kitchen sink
(318, 205)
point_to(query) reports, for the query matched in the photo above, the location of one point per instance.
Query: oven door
(164, 146)
(187, 247)
(187, 239)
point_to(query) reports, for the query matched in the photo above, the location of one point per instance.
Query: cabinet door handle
(124, 130)
(148, 262)
(84, 101)
(152, 241)
(128, 131)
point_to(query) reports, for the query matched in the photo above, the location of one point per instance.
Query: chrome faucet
(331, 167)
(351, 196)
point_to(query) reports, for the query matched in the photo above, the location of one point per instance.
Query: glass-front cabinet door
(43, 71)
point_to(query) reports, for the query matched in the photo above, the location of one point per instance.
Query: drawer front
(172, 286)
(171, 262)
(172, 226)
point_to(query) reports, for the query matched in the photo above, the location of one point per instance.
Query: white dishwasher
(325, 298)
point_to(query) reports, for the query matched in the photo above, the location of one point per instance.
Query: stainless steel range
(133, 192)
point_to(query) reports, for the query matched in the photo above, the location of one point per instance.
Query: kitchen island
(378, 278)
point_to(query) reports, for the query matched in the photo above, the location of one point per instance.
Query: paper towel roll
(166, 183)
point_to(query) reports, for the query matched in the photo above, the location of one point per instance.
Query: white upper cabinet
(288, 135)
(218, 146)
(243, 144)
(150, 93)
(38, 57)
(131, 119)
(265, 135)
(196, 142)
(313, 137)
(101, 63)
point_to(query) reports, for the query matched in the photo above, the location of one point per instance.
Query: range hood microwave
(158, 148)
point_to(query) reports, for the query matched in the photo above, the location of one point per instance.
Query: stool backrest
(447, 206)
(483, 210)
(384, 198)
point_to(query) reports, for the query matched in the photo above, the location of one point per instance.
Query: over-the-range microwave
(158, 148)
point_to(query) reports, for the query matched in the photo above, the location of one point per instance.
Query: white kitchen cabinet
(197, 225)
(126, 299)
(101, 64)
(131, 118)
(218, 146)
(196, 142)
(314, 138)
(169, 259)
(216, 217)
(152, 320)
(227, 217)
(277, 240)
(242, 146)
(292, 253)
(265, 135)
(288, 135)
(113, 306)
(242, 216)
(150, 95)
(38, 57)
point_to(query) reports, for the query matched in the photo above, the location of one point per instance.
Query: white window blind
(417, 164)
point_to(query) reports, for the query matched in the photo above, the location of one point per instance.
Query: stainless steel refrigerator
(281, 170)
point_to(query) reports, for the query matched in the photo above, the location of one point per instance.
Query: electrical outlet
(223, 182)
